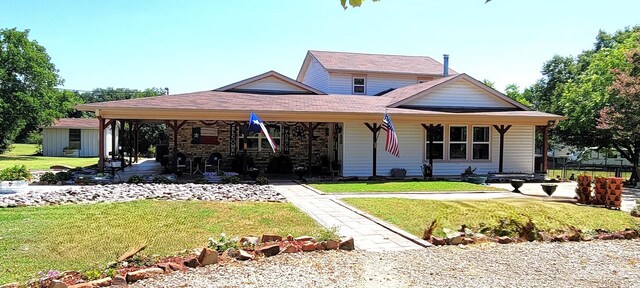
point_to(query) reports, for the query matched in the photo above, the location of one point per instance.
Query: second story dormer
(367, 74)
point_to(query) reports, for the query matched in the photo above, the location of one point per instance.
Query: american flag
(392, 139)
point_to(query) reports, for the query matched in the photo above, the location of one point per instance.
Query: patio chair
(181, 161)
(214, 159)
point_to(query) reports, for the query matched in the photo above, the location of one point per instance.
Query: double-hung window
(259, 142)
(438, 143)
(457, 142)
(359, 84)
(481, 140)
(74, 138)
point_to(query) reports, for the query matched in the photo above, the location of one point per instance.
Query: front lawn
(401, 186)
(414, 215)
(79, 237)
(24, 154)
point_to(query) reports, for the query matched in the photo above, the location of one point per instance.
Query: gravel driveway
(583, 264)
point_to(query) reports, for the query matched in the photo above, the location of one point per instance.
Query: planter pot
(465, 177)
(71, 153)
(549, 188)
(477, 179)
(300, 173)
(516, 184)
(13, 186)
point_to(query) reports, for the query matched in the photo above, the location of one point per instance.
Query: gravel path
(582, 264)
(130, 192)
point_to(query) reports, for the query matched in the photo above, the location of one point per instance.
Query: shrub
(222, 243)
(136, 179)
(15, 173)
(280, 164)
(230, 180)
(93, 274)
(64, 176)
(236, 163)
(200, 180)
(49, 178)
(161, 180)
(328, 234)
(262, 180)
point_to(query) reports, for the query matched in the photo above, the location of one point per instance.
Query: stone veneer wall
(298, 149)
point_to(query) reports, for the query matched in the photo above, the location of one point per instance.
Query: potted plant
(253, 172)
(300, 171)
(70, 152)
(14, 179)
(469, 172)
(516, 184)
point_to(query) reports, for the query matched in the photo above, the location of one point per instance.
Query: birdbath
(549, 188)
(516, 184)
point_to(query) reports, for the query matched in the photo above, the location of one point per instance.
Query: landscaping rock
(165, 267)
(244, 255)
(289, 237)
(119, 280)
(104, 282)
(143, 274)
(270, 250)
(455, 239)
(320, 246)
(192, 262)
(270, 238)
(289, 249)
(303, 238)
(250, 240)
(331, 245)
(630, 234)
(505, 240)
(438, 241)
(230, 253)
(347, 244)
(467, 241)
(208, 257)
(10, 285)
(177, 266)
(55, 284)
(81, 285)
(308, 246)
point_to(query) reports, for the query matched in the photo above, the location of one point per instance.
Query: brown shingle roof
(379, 63)
(75, 123)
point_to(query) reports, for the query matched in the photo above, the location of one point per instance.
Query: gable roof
(406, 94)
(375, 63)
(237, 85)
(74, 123)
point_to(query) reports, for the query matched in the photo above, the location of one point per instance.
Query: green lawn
(414, 215)
(23, 154)
(553, 173)
(401, 186)
(79, 237)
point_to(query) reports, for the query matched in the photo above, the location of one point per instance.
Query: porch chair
(214, 159)
(181, 162)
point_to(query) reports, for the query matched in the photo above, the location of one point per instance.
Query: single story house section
(73, 137)
(333, 111)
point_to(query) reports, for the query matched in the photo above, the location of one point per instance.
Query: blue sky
(201, 45)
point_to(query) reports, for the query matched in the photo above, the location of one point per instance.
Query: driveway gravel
(575, 264)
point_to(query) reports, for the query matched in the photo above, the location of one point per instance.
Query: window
(458, 142)
(481, 140)
(438, 144)
(258, 142)
(74, 138)
(359, 84)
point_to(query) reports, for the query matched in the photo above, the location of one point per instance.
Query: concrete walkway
(328, 211)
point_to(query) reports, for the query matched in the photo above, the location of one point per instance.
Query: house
(73, 137)
(332, 112)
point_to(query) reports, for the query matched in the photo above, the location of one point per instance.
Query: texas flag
(256, 125)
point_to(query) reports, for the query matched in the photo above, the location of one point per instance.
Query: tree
(513, 91)
(489, 83)
(28, 97)
(621, 119)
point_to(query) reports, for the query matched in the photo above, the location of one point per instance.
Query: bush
(15, 173)
(136, 179)
(222, 243)
(236, 163)
(280, 164)
(328, 234)
(200, 180)
(64, 176)
(262, 180)
(230, 180)
(161, 180)
(49, 178)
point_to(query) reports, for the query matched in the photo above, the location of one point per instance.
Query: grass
(414, 215)
(25, 154)
(79, 237)
(552, 173)
(401, 186)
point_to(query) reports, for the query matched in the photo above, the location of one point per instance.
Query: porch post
(431, 129)
(114, 123)
(545, 148)
(310, 127)
(100, 144)
(130, 140)
(502, 129)
(136, 129)
(175, 127)
(374, 130)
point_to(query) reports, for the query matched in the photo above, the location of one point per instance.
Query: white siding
(271, 84)
(460, 94)
(317, 77)
(518, 152)
(53, 141)
(341, 83)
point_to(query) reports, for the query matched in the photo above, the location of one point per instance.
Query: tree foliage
(28, 97)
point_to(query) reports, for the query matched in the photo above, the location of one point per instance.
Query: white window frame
(364, 85)
(488, 143)
(443, 142)
(466, 142)
(260, 136)
(79, 139)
